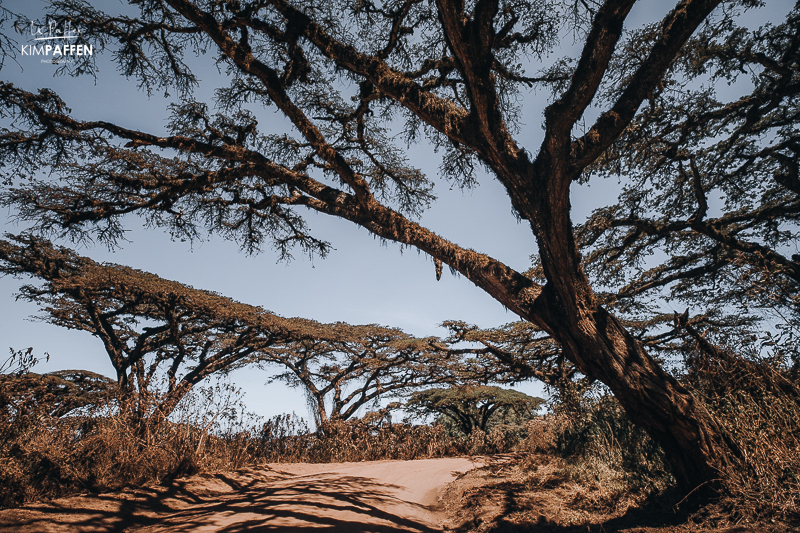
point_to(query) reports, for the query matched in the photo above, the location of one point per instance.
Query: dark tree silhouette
(343, 73)
(153, 328)
(712, 187)
(473, 406)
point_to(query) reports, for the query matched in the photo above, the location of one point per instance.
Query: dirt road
(383, 496)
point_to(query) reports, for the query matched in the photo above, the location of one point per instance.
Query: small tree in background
(341, 376)
(472, 407)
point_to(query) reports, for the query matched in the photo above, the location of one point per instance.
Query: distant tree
(153, 328)
(56, 394)
(52, 394)
(347, 76)
(473, 406)
(343, 375)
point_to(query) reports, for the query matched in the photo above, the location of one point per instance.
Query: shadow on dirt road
(380, 497)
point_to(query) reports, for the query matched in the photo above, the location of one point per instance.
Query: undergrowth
(45, 453)
(52, 444)
(599, 460)
(758, 404)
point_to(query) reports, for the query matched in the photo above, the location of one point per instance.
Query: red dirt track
(382, 496)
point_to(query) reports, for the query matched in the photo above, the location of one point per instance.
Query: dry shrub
(58, 457)
(607, 464)
(758, 403)
(501, 438)
(476, 442)
(98, 447)
(285, 438)
(767, 483)
(504, 438)
(602, 445)
(542, 434)
(606, 456)
(356, 440)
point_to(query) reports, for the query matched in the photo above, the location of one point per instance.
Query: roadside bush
(603, 431)
(758, 403)
(542, 433)
(285, 438)
(47, 454)
(99, 448)
(600, 447)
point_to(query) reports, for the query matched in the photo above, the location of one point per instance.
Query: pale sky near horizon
(362, 280)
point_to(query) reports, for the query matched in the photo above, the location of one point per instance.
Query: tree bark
(695, 444)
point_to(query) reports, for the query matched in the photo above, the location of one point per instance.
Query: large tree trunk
(696, 446)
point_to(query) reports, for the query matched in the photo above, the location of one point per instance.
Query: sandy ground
(382, 496)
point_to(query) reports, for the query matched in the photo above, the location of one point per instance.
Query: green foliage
(472, 407)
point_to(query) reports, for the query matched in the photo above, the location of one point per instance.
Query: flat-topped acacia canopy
(151, 326)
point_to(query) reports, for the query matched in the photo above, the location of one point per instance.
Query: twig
(694, 489)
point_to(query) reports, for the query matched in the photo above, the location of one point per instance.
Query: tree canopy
(154, 328)
(711, 196)
(52, 394)
(347, 76)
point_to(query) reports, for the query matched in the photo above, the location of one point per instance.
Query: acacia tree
(52, 394)
(339, 376)
(473, 406)
(150, 327)
(449, 69)
(154, 328)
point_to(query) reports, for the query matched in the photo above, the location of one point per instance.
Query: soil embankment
(383, 496)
